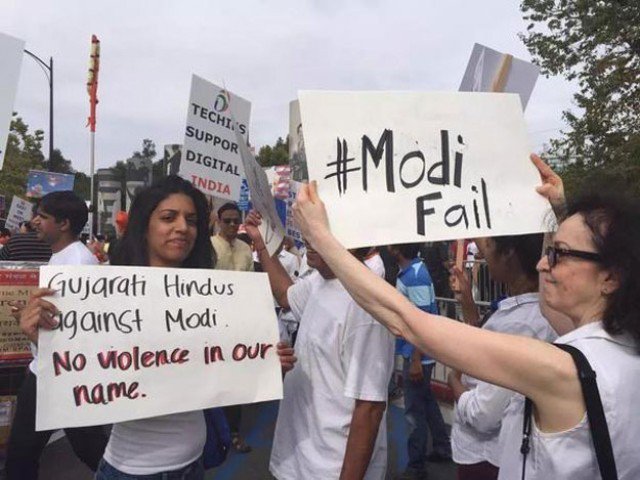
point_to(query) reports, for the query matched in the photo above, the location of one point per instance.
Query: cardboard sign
(138, 342)
(292, 229)
(297, 156)
(483, 70)
(11, 53)
(271, 228)
(40, 183)
(16, 285)
(19, 212)
(414, 167)
(211, 159)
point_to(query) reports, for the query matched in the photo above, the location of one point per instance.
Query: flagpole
(92, 89)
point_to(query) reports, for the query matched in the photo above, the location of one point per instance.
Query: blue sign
(40, 183)
(243, 202)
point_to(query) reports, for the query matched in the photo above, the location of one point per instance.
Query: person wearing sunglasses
(591, 275)
(232, 254)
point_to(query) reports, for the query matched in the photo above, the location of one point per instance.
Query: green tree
(24, 153)
(269, 156)
(597, 45)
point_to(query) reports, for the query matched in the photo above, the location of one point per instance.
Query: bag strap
(595, 414)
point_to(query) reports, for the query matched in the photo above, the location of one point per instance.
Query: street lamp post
(48, 71)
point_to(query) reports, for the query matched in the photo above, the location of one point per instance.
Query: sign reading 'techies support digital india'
(210, 156)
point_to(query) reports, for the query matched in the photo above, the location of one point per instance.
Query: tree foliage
(597, 45)
(278, 154)
(24, 153)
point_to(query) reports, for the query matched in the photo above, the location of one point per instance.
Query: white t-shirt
(74, 254)
(472, 251)
(570, 454)
(158, 444)
(343, 355)
(480, 411)
(376, 265)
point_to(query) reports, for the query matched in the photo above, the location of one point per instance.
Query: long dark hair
(133, 248)
(614, 223)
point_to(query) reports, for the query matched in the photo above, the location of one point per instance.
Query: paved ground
(59, 463)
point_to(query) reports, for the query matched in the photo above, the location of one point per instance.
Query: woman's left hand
(286, 355)
(309, 212)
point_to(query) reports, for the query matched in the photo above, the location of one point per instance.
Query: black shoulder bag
(595, 415)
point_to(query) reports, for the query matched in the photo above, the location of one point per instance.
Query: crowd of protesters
(342, 326)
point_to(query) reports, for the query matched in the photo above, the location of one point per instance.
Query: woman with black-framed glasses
(594, 281)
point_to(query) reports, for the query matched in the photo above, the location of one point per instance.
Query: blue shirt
(414, 282)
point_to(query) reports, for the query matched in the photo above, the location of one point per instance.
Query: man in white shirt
(331, 423)
(59, 220)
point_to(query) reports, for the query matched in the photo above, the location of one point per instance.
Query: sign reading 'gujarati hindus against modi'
(403, 167)
(139, 342)
(210, 155)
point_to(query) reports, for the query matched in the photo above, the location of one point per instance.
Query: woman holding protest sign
(168, 227)
(589, 274)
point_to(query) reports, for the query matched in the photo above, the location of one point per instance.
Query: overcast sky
(263, 51)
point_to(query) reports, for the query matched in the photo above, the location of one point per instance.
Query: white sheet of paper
(11, 53)
(262, 199)
(210, 157)
(484, 64)
(20, 211)
(487, 189)
(150, 309)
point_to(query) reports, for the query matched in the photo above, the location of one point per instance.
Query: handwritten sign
(484, 66)
(16, 285)
(19, 212)
(11, 53)
(210, 156)
(292, 229)
(137, 342)
(262, 199)
(410, 167)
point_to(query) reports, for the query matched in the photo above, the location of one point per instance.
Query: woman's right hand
(38, 313)
(552, 187)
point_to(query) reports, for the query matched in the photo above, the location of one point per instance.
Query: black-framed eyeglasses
(229, 221)
(554, 254)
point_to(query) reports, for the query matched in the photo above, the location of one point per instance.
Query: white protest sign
(20, 211)
(409, 167)
(11, 53)
(138, 342)
(292, 229)
(485, 63)
(210, 157)
(262, 199)
(297, 158)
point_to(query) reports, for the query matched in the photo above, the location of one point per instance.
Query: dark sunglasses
(554, 254)
(229, 221)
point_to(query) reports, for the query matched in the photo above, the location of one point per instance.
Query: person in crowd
(58, 222)
(481, 406)
(25, 227)
(5, 236)
(420, 405)
(331, 421)
(232, 254)
(25, 246)
(373, 260)
(121, 222)
(589, 274)
(168, 227)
